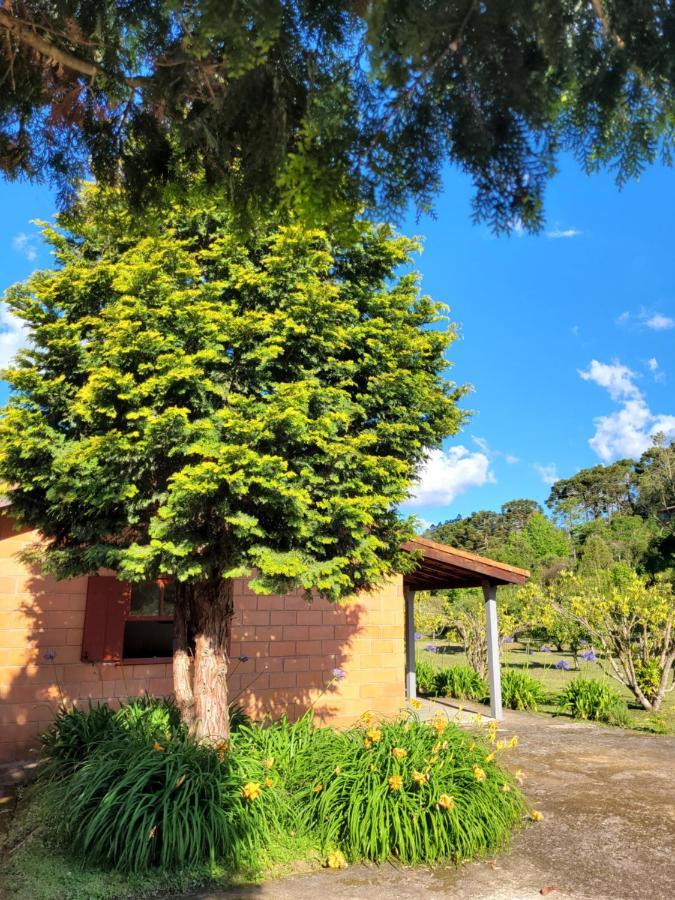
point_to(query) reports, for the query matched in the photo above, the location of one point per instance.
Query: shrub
(590, 698)
(425, 674)
(520, 690)
(461, 682)
(76, 733)
(407, 790)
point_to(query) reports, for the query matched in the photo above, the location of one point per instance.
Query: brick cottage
(96, 638)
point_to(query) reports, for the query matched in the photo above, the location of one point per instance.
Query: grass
(542, 667)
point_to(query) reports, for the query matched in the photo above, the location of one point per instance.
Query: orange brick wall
(292, 649)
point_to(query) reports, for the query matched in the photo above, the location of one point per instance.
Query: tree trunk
(182, 656)
(212, 611)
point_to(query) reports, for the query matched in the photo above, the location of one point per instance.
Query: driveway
(608, 799)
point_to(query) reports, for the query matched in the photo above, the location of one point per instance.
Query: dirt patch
(608, 830)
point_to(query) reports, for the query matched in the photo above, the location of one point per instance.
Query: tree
(632, 621)
(594, 492)
(336, 104)
(200, 406)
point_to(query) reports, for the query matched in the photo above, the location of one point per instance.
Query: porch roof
(449, 567)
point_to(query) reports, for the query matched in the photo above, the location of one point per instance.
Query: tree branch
(28, 36)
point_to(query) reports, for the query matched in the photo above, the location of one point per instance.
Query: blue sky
(568, 338)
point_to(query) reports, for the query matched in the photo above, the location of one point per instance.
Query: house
(98, 639)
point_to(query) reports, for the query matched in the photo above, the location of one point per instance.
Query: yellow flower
(268, 763)
(519, 775)
(367, 743)
(395, 782)
(501, 745)
(478, 718)
(251, 791)
(374, 735)
(317, 788)
(157, 746)
(338, 769)
(416, 704)
(336, 860)
(490, 757)
(536, 816)
(492, 726)
(478, 773)
(439, 724)
(514, 741)
(419, 777)
(445, 801)
(367, 717)
(269, 782)
(433, 759)
(506, 788)
(436, 747)
(399, 753)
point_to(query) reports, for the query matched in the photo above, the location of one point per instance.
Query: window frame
(128, 617)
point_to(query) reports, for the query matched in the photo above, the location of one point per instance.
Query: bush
(407, 790)
(461, 682)
(590, 698)
(425, 674)
(135, 791)
(520, 690)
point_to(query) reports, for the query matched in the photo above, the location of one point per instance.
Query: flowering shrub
(520, 690)
(420, 793)
(146, 796)
(590, 698)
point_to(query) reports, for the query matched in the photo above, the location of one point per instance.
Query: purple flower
(242, 658)
(589, 656)
(545, 649)
(339, 674)
(562, 664)
(49, 655)
(418, 636)
(509, 639)
(431, 648)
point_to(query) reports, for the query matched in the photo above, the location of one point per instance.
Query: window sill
(147, 661)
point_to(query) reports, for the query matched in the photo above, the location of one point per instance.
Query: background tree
(630, 619)
(200, 407)
(336, 104)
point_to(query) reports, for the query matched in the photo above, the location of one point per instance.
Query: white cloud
(449, 473)
(659, 322)
(558, 233)
(547, 473)
(652, 364)
(617, 379)
(575, 330)
(491, 454)
(623, 318)
(13, 335)
(25, 245)
(511, 459)
(627, 431)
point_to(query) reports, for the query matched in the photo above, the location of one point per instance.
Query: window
(148, 629)
(128, 623)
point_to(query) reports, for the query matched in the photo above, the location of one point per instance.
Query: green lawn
(542, 666)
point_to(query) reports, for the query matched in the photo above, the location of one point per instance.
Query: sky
(567, 337)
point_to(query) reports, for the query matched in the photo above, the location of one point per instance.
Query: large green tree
(336, 103)
(199, 405)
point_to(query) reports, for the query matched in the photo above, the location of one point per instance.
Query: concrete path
(608, 798)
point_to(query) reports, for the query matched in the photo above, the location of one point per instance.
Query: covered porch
(443, 568)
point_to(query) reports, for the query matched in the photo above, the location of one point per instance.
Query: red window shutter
(105, 614)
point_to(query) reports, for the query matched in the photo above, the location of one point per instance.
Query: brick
(296, 664)
(283, 617)
(298, 633)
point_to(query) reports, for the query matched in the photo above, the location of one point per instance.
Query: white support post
(494, 676)
(410, 679)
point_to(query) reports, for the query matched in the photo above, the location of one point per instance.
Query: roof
(442, 566)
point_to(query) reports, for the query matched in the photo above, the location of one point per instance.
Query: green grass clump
(590, 698)
(521, 691)
(408, 790)
(461, 682)
(425, 676)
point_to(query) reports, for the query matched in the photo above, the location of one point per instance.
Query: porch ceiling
(448, 567)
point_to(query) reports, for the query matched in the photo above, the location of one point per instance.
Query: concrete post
(494, 676)
(410, 679)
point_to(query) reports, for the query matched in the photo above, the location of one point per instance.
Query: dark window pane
(169, 598)
(145, 599)
(145, 640)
